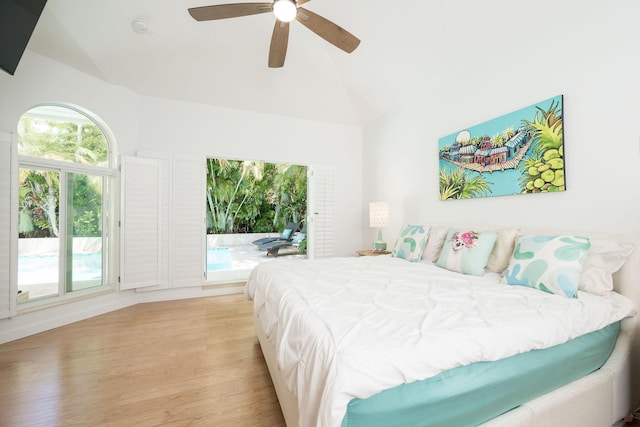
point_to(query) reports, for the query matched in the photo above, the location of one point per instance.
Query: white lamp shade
(285, 10)
(378, 214)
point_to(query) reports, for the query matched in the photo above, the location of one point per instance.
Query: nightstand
(369, 252)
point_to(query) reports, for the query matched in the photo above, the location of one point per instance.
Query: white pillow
(502, 250)
(604, 258)
(435, 242)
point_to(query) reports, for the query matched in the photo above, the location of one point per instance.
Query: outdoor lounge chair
(285, 236)
(274, 247)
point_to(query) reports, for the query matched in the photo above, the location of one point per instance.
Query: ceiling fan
(285, 12)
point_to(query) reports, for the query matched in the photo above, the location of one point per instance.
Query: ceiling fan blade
(301, 2)
(279, 41)
(223, 11)
(329, 31)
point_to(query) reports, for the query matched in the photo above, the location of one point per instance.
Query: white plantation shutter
(164, 161)
(8, 231)
(189, 232)
(139, 223)
(321, 208)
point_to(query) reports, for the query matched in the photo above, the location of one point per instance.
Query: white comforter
(347, 328)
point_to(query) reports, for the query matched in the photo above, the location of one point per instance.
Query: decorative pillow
(286, 233)
(605, 257)
(549, 263)
(467, 251)
(437, 236)
(502, 250)
(411, 242)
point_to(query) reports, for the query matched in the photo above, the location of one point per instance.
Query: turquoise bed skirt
(473, 394)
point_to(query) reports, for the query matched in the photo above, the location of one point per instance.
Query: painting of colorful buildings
(518, 153)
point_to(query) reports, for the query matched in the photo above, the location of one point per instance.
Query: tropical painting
(519, 153)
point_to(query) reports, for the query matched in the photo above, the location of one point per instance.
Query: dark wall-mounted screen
(18, 18)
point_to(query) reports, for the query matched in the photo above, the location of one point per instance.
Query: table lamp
(378, 218)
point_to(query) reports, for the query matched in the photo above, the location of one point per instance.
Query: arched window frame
(108, 173)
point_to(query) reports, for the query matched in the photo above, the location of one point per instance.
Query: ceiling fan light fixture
(285, 10)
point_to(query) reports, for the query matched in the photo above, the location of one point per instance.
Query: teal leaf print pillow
(549, 263)
(411, 242)
(467, 251)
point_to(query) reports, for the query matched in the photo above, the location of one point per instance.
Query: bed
(409, 340)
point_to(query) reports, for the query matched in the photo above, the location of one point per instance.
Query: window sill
(228, 276)
(44, 303)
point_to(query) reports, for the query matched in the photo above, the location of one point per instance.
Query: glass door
(38, 230)
(84, 247)
(60, 248)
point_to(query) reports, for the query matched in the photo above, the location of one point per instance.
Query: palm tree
(64, 141)
(508, 133)
(230, 185)
(290, 184)
(546, 154)
(498, 140)
(475, 141)
(38, 200)
(254, 196)
(61, 141)
(547, 129)
(460, 184)
(250, 173)
(39, 188)
(221, 179)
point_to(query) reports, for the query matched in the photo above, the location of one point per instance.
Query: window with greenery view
(64, 173)
(254, 196)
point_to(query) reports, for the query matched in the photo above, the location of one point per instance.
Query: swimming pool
(43, 268)
(219, 258)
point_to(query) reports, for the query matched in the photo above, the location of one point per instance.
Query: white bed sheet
(347, 328)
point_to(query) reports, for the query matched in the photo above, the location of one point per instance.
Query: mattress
(348, 328)
(472, 394)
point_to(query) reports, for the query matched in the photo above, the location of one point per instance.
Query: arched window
(64, 160)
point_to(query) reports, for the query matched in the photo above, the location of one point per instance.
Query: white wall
(588, 54)
(39, 80)
(221, 132)
(139, 122)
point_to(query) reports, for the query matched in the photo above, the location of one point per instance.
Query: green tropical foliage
(60, 140)
(461, 184)
(38, 198)
(39, 191)
(87, 205)
(543, 168)
(254, 197)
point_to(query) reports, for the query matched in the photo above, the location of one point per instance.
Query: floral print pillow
(467, 251)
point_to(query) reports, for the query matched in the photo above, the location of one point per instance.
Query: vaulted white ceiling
(405, 46)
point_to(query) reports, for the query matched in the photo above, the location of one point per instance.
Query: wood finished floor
(191, 362)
